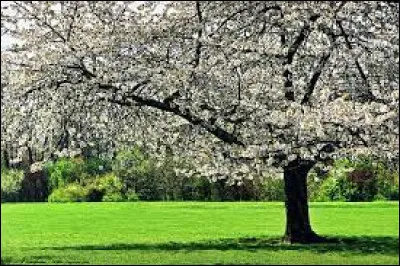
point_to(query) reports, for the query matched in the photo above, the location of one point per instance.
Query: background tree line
(134, 175)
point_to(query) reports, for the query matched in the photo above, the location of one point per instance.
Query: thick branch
(300, 39)
(358, 66)
(199, 34)
(186, 114)
(318, 71)
(287, 74)
(369, 95)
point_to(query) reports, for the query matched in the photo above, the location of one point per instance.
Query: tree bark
(6, 158)
(298, 227)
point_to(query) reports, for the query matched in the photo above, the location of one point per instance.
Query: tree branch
(287, 74)
(186, 114)
(318, 71)
(350, 47)
(196, 61)
(353, 132)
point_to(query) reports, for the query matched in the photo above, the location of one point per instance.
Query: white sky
(6, 41)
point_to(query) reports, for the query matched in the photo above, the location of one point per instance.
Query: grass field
(194, 233)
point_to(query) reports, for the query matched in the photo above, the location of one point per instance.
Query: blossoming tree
(239, 87)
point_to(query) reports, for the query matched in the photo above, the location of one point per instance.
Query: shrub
(131, 196)
(107, 184)
(273, 189)
(388, 186)
(70, 193)
(346, 183)
(139, 173)
(360, 186)
(107, 187)
(11, 184)
(315, 179)
(118, 196)
(362, 179)
(113, 197)
(327, 191)
(75, 170)
(96, 166)
(64, 171)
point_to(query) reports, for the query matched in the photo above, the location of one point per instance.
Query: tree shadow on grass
(354, 245)
(41, 259)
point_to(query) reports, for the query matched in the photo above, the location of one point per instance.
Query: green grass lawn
(194, 233)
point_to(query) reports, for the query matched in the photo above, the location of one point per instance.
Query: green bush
(131, 196)
(113, 197)
(78, 169)
(96, 166)
(105, 185)
(273, 189)
(315, 179)
(11, 184)
(119, 196)
(361, 179)
(64, 171)
(388, 186)
(329, 191)
(139, 173)
(387, 181)
(69, 193)
(135, 175)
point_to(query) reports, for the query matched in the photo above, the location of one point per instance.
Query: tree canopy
(223, 83)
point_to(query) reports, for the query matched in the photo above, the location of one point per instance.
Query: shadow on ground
(357, 245)
(41, 259)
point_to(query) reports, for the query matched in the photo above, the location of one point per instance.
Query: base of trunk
(306, 238)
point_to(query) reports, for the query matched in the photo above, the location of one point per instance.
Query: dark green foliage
(154, 181)
(68, 170)
(11, 184)
(131, 196)
(133, 174)
(361, 179)
(273, 189)
(34, 187)
(64, 171)
(387, 182)
(96, 166)
(138, 173)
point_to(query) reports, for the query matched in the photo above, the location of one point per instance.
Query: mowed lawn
(194, 233)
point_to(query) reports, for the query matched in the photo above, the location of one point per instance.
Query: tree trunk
(298, 227)
(5, 159)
